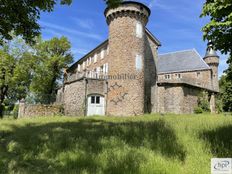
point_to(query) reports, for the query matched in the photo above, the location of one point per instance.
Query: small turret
(212, 59)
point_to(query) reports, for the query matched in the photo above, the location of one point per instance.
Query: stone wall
(29, 110)
(75, 95)
(150, 74)
(176, 98)
(74, 98)
(201, 78)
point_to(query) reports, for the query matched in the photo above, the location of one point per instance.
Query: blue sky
(175, 23)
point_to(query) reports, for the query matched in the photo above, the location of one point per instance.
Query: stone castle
(125, 76)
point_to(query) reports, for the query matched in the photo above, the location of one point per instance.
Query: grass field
(150, 144)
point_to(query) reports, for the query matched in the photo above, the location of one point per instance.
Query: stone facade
(124, 71)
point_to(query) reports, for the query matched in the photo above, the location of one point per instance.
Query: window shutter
(138, 62)
(139, 30)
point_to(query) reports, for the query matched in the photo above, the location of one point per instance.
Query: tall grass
(149, 144)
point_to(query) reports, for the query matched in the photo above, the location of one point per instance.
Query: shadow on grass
(220, 141)
(90, 146)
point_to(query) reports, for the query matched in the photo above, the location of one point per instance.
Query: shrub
(15, 111)
(203, 101)
(219, 105)
(198, 110)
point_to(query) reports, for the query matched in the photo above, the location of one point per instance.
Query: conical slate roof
(210, 52)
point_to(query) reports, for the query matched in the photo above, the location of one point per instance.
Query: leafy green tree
(113, 3)
(21, 16)
(219, 32)
(7, 64)
(219, 29)
(226, 93)
(16, 67)
(54, 55)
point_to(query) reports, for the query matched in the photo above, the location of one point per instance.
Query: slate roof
(188, 60)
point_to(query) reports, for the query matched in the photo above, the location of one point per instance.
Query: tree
(16, 66)
(226, 93)
(54, 56)
(21, 16)
(219, 32)
(7, 65)
(113, 3)
(219, 29)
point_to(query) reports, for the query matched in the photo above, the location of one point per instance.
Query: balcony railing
(86, 74)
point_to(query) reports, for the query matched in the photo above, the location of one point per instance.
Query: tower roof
(210, 52)
(131, 2)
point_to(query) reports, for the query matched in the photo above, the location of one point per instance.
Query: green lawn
(150, 144)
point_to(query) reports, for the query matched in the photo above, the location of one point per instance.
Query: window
(87, 62)
(90, 60)
(79, 68)
(138, 62)
(108, 50)
(102, 68)
(198, 74)
(178, 76)
(95, 58)
(107, 68)
(167, 76)
(95, 99)
(83, 65)
(102, 53)
(139, 30)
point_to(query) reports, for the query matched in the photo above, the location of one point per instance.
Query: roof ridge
(201, 58)
(177, 51)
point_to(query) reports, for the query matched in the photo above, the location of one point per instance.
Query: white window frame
(167, 76)
(138, 62)
(107, 50)
(95, 58)
(78, 67)
(102, 53)
(83, 65)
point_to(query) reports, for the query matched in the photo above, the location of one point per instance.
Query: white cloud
(56, 28)
(79, 51)
(84, 23)
(159, 4)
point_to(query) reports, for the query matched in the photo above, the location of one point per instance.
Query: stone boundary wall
(34, 110)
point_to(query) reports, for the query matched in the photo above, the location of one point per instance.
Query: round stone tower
(212, 59)
(126, 58)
